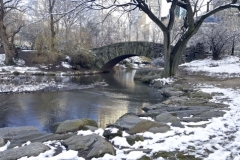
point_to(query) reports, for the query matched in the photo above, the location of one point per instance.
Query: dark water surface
(103, 104)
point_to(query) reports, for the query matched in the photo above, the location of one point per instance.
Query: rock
(169, 92)
(175, 100)
(195, 102)
(35, 137)
(9, 132)
(194, 119)
(133, 124)
(166, 118)
(147, 151)
(110, 133)
(201, 94)
(179, 111)
(91, 128)
(217, 105)
(210, 114)
(152, 107)
(2, 143)
(73, 125)
(91, 145)
(188, 113)
(177, 124)
(34, 149)
(157, 84)
(184, 87)
(160, 129)
(132, 139)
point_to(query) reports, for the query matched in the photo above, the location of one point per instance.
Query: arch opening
(110, 64)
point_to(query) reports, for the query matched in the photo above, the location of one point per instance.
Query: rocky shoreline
(184, 104)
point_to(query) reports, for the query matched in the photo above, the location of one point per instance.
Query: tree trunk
(52, 46)
(167, 55)
(173, 56)
(52, 29)
(7, 46)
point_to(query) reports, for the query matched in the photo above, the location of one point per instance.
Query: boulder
(34, 149)
(9, 132)
(134, 138)
(73, 125)
(175, 100)
(201, 94)
(210, 114)
(194, 119)
(2, 143)
(18, 140)
(177, 124)
(133, 124)
(159, 129)
(90, 145)
(110, 133)
(152, 107)
(169, 92)
(166, 118)
(196, 102)
(91, 128)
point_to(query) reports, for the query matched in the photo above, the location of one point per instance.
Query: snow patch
(66, 65)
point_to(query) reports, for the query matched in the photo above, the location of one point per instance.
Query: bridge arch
(107, 57)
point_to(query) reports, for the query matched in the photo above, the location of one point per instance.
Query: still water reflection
(103, 104)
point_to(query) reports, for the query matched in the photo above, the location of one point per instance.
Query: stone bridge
(107, 57)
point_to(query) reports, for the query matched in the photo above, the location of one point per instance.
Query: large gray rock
(18, 140)
(174, 100)
(160, 129)
(152, 107)
(210, 114)
(133, 124)
(34, 149)
(169, 92)
(91, 145)
(196, 102)
(201, 94)
(134, 138)
(73, 125)
(9, 132)
(2, 143)
(177, 124)
(166, 118)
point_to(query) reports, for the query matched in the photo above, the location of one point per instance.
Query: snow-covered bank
(20, 78)
(227, 67)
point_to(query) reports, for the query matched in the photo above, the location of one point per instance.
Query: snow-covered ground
(227, 67)
(7, 80)
(219, 140)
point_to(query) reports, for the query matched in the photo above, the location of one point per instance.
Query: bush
(44, 54)
(46, 57)
(82, 57)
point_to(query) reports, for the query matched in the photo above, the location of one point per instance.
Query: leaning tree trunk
(173, 55)
(167, 55)
(7, 46)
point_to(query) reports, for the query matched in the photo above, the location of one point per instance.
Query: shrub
(82, 57)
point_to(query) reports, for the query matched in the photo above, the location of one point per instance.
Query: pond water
(103, 104)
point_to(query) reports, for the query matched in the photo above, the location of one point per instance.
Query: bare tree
(10, 24)
(190, 25)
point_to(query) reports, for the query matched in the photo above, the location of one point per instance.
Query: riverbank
(197, 121)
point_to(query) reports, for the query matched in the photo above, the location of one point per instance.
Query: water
(103, 104)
